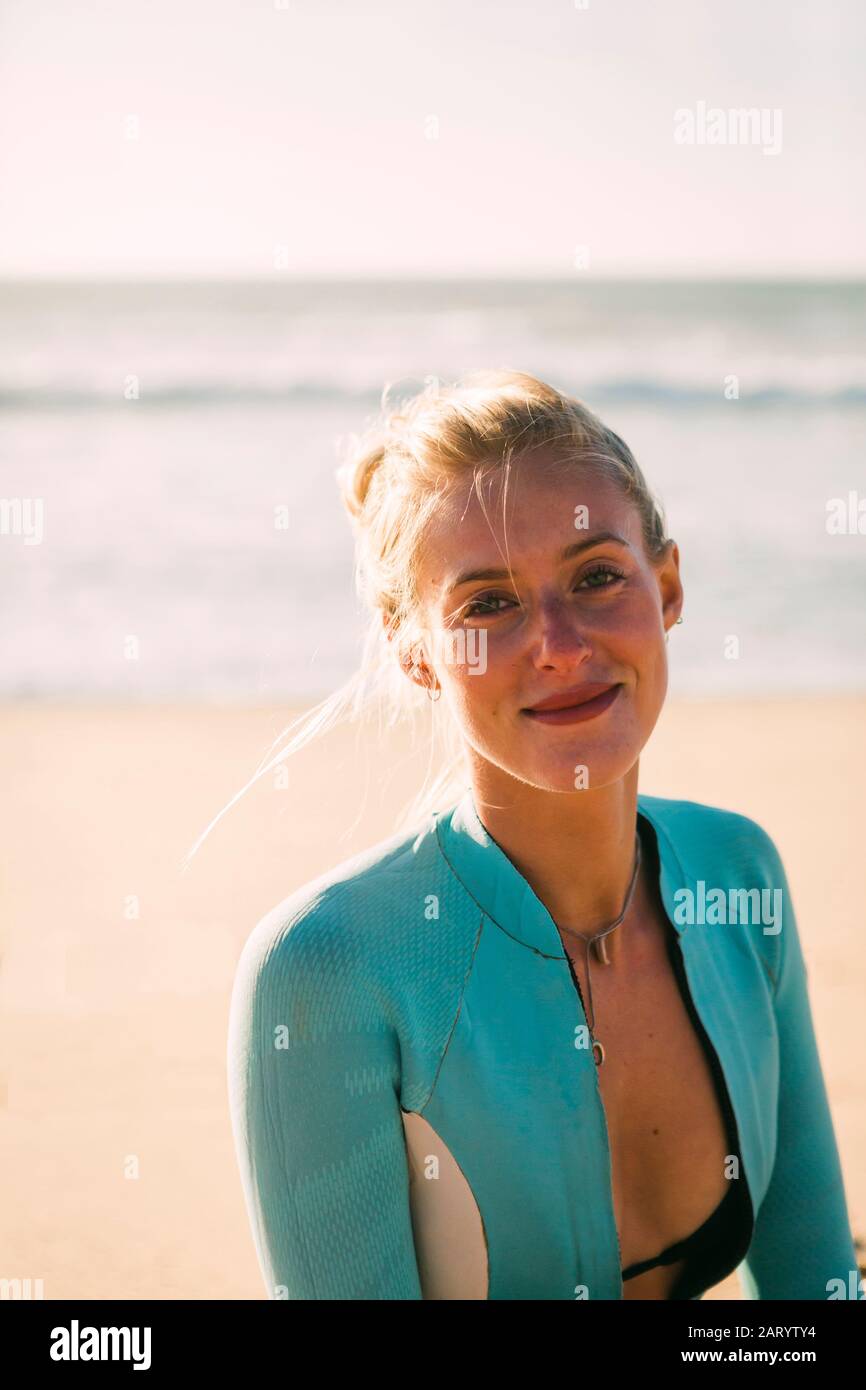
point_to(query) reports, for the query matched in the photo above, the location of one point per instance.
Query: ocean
(744, 402)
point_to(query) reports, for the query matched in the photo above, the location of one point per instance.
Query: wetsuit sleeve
(802, 1242)
(313, 1078)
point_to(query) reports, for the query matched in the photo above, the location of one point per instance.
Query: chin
(603, 767)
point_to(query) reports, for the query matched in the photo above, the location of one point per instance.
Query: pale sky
(293, 138)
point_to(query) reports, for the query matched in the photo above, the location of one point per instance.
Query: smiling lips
(573, 706)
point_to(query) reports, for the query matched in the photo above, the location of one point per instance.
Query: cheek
(652, 679)
(477, 699)
(639, 616)
(640, 635)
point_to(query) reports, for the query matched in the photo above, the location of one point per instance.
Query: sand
(116, 1155)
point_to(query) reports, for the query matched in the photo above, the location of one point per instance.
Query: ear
(670, 585)
(408, 665)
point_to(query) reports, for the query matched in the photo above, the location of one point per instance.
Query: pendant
(600, 951)
(599, 1057)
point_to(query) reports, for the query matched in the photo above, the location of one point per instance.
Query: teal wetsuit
(411, 1015)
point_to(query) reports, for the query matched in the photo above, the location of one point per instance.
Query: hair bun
(368, 451)
(357, 473)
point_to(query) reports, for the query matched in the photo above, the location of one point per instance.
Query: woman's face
(586, 611)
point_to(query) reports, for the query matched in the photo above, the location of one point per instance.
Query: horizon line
(277, 278)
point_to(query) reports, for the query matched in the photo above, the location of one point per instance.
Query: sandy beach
(116, 966)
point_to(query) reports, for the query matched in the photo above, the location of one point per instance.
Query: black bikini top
(702, 1243)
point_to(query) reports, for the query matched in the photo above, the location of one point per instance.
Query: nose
(558, 639)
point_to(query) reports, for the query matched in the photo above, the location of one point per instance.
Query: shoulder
(352, 905)
(377, 949)
(699, 833)
(385, 924)
(733, 853)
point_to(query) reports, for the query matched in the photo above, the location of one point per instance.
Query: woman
(439, 1088)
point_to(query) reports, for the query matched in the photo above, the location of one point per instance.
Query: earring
(431, 686)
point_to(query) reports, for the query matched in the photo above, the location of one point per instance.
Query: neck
(575, 849)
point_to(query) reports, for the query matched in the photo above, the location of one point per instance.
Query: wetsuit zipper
(604, 1120)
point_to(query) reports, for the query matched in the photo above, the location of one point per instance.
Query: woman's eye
(603, 569)
(483, 606)
(480, 607)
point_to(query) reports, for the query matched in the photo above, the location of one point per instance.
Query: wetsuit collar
(501, 891)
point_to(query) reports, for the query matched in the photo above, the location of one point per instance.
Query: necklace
(595, 945)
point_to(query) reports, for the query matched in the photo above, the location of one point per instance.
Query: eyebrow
(567, 554)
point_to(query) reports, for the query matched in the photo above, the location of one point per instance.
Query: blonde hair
(392, 481)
